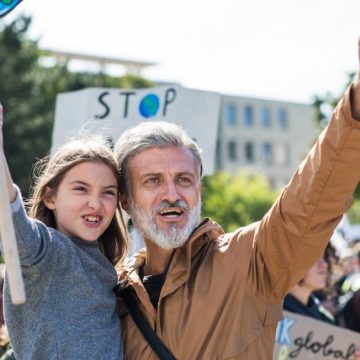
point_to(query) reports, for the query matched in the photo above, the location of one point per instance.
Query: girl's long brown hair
(52, 169)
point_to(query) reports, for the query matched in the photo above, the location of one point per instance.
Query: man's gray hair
(148, 135)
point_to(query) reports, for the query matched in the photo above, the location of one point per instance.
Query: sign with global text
(303, 338)
(111, 111)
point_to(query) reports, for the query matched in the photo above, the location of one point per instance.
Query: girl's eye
(80, 188)
(110, 192)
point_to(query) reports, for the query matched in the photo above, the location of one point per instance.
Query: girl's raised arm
(9, 245)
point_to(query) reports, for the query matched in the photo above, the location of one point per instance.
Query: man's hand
(355, 98)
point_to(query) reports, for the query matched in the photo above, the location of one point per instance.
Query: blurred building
(264, 136)
(95, 62)
(256, 135)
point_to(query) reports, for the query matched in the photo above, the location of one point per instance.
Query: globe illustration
(149, 105)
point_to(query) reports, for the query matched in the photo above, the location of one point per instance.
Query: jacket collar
(180, 267)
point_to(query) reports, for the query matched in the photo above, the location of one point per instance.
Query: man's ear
(124, 200)
(49, 198)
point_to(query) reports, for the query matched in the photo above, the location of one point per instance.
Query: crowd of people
(342, 294)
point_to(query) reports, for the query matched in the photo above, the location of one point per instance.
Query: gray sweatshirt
(70, 308)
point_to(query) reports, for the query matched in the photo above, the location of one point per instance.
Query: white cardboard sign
(111, 111)
(303, 338)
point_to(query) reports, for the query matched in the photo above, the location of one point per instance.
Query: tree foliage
(324, 105)
(28, 93)
(17, 86)
(354, 212)
(236, 200)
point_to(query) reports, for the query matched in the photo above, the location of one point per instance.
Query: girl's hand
(1, 125)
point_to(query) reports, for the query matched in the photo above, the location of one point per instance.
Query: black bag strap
(126, 293)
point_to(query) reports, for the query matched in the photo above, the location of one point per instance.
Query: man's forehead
(158, 159)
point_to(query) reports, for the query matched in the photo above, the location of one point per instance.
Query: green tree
(236, 200)
(19, 59)
(324, 105)
(354, 213)
(28, 93)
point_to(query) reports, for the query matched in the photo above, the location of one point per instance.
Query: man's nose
(171, 193)
(322, 264)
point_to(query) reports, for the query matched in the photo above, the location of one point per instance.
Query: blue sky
(280, 49)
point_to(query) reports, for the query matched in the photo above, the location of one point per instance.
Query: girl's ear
(49, 199)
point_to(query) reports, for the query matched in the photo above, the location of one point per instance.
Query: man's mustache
(165, 204)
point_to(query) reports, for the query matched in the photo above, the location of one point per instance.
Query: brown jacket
(222, 297)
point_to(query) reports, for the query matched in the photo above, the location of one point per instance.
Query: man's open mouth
(171, 212)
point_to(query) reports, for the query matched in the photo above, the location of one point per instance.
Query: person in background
(348, 287)
(302, 299)
(349, 282)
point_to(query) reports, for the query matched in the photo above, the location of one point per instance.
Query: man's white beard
(145, 223)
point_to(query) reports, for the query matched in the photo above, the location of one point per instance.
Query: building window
(267, 153)
(232, 150)
(249, 152)
(218, 153)
(248, 116)
(230, 114)
(265, 119)
(283, 120)
(282, 155)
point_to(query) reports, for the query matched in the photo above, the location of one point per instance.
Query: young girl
(67, 250)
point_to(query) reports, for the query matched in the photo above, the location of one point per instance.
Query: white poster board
(111, 111)
(303, 338)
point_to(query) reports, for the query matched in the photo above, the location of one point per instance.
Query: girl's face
(85, 201)
(316, 277)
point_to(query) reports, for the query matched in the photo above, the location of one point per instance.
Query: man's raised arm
(355, 95)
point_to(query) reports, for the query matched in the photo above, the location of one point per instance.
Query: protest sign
(111, 111)
(303, 338)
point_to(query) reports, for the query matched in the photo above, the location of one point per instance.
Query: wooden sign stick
(9, 245)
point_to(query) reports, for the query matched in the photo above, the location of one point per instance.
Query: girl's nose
(94, 202)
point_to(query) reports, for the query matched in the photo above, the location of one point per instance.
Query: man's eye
(153, 180)
(184, 180)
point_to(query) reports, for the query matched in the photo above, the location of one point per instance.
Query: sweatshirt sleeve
(294, 233)
(32, 236)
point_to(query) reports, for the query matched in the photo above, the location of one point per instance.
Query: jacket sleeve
(294, 233)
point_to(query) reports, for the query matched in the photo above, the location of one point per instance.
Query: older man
(215, 295)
